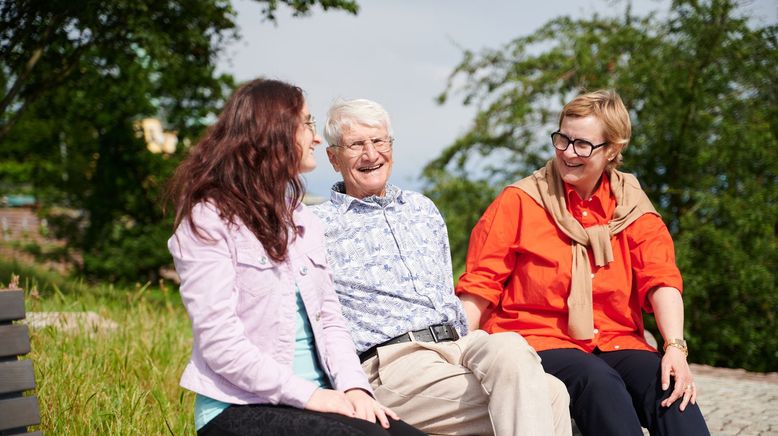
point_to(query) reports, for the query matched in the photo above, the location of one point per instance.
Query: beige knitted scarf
(545, 186)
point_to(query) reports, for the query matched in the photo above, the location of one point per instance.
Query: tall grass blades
(116, 374)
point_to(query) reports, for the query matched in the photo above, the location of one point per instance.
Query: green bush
(701, 88)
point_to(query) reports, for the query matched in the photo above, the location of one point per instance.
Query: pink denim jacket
(242, 308)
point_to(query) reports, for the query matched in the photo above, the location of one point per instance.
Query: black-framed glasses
(581, 147)
(311, 123)
(381, 145)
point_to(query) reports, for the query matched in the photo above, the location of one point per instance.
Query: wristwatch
(677, 343)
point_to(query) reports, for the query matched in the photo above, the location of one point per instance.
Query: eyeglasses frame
(389, 140)
(311, 123)
(570, 141)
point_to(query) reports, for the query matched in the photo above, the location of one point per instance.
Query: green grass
(123, 381)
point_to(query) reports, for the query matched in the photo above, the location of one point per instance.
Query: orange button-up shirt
(520, 262)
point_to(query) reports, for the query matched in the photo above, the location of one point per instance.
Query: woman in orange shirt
(569, 257)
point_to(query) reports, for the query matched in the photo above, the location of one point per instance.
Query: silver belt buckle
(434, 335)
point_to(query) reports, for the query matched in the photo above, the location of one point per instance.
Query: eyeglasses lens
(381, 145)
(580, 147)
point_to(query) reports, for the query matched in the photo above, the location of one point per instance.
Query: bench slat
(14, 340)
(19, 412)
(11, 304)
(16, 376)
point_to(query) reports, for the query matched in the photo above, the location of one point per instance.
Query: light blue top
(305, 365)
(206, 408)
(391, 264)
(306, 360)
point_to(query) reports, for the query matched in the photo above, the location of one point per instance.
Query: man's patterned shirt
(391, 264)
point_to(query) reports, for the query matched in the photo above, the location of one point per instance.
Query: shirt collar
(600, 195)
(344, 201)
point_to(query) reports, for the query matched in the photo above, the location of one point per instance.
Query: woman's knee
(396, 428)
(374, 430)
(598, 383)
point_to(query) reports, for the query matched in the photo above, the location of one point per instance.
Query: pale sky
(398, 53)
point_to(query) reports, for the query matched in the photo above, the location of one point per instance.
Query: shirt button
(592, 275)
(262, 260)
(596, 331)
(585, 213)
(617, 346)
(304, 270)
(318, 316)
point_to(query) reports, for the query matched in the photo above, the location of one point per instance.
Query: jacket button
(304, 270)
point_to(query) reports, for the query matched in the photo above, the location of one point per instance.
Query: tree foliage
(75, 78)
(702, 88)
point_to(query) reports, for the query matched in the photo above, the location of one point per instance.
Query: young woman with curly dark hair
(271, 352)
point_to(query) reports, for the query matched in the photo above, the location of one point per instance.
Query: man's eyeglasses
(311, 123)
(381, 145)
(581, 148)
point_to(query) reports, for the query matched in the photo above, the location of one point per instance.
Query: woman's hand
(668, 311)
(674, 364)
(330, 401)
(368, 408)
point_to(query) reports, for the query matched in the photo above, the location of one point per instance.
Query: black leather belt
(433, 333)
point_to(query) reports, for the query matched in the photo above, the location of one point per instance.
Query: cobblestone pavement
(736, 402)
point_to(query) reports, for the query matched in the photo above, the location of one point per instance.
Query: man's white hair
(346, 113)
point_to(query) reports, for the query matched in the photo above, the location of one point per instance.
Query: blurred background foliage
(700, 81)
(701, 84)
(76, 78)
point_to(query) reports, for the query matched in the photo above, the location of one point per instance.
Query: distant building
(18, 220)
(157, 140)
(18, 201)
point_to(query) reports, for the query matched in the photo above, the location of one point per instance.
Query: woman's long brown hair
(247, 165)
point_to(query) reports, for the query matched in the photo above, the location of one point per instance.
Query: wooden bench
(17, 411)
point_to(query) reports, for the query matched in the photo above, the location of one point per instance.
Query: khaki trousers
(479, 385)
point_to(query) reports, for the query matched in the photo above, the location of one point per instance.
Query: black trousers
(618, 392)
(269, 420)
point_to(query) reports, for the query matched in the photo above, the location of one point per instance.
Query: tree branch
(6, 128)
(20, 79)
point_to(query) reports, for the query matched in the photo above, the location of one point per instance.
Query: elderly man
(389, 252)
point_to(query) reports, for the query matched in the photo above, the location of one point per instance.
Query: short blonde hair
(606, 105)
